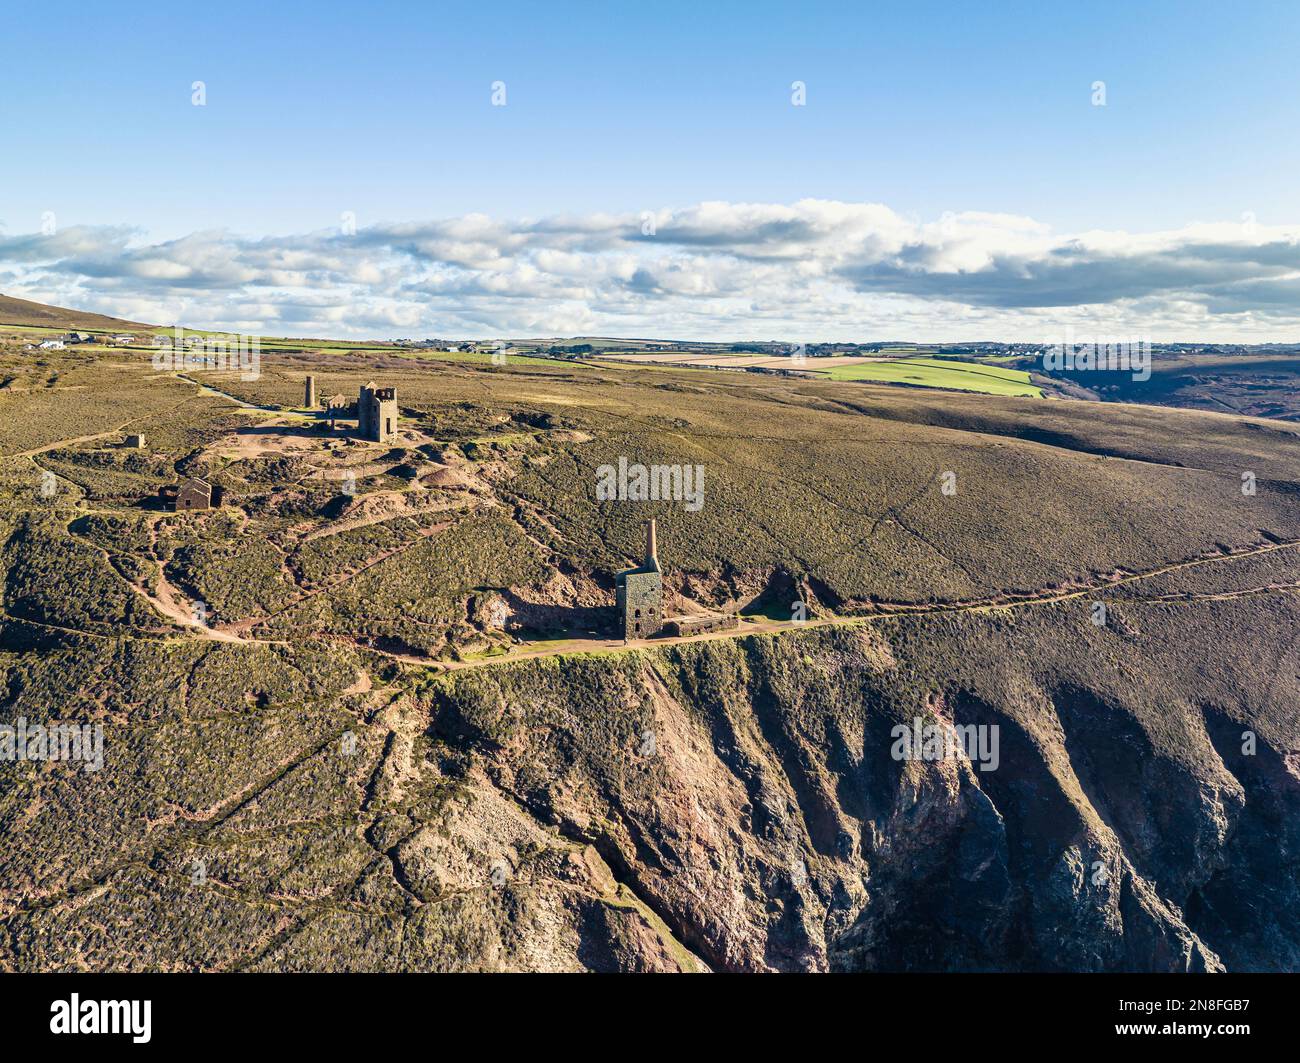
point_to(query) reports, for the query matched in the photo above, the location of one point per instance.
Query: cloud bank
(804, 272)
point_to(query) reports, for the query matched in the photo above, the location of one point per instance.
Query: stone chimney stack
(309, 393)
(651, 550)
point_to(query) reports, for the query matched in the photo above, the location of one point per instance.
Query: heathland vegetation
(367, 713)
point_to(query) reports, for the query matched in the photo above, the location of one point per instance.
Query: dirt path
(236, 632)
(166, 602)
(746, 626)
(1012, 601)
(72, 442)
(210, 390)
(241, 626)
(883, 611)
(172, 604)
(169, 601)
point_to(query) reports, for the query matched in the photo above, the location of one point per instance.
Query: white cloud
(808, 271)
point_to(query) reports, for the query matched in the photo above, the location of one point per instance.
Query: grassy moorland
(26, 314)
(371, 776)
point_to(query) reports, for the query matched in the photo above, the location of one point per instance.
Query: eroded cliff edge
(1140, 816)
(732, 804)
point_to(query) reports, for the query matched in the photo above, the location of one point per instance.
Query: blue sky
(385, 111)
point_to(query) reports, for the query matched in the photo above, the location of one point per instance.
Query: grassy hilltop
(26, 314)
(400, 737)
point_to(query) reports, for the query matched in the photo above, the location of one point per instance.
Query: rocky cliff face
(736, 804)
(747, 791)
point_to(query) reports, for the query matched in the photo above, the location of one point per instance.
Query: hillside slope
(377, 745)
(23, 312)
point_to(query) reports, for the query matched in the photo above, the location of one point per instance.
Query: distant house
(52, 345)
(123, 339)
(79, 337)
(194, 493)
(135, 442)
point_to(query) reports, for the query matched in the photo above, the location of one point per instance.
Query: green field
(940, 373)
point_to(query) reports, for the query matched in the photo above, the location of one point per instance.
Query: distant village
(69, 339)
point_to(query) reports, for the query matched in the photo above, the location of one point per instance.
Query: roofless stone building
(377, 413)
(375, 409)
(640, 593)
(640, 602)
(193, 493)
